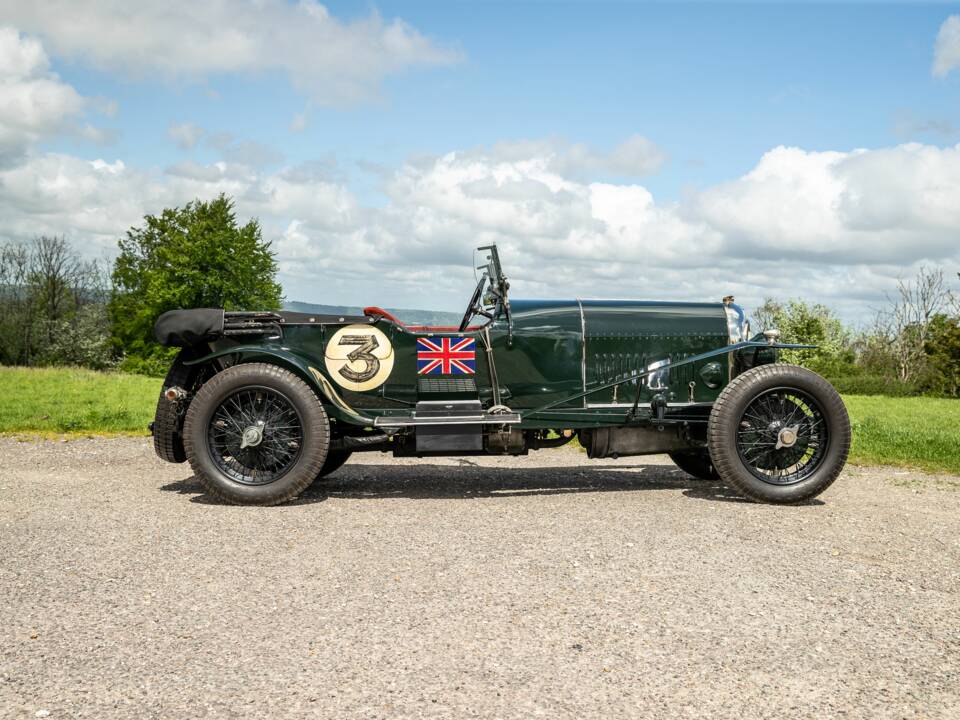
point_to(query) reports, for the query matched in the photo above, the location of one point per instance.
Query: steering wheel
(474, 307)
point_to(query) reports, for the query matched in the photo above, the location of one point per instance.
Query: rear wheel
(256, 434)
(696, 463)
(779, 434)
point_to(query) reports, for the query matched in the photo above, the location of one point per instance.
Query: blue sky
(715, 85)
(714, 88)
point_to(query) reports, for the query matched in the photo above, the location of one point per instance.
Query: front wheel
(256, 434)
(779, 434)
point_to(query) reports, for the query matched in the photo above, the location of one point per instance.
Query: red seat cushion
(374, 311)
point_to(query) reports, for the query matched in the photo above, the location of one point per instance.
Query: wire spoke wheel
(255, 435)
(782, 436)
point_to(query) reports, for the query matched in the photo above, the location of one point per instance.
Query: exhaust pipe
(174, 394)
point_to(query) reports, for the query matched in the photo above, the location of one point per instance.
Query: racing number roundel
(359, 357)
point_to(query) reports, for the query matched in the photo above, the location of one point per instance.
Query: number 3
(367, 343)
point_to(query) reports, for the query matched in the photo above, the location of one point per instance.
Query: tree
(194, 256)
(906, 324)
(17, 320)
(802, 322)
(943, 356)
(44, 286)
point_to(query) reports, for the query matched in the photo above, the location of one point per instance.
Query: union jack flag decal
(446, 356)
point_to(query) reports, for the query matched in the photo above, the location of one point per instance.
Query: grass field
(913, 432)
(54, 401)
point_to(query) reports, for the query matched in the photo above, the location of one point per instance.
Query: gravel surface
(546, 586)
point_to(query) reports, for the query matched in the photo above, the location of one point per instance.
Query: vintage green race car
(263, 404)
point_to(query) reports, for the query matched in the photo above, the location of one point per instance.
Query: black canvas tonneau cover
(183, 328)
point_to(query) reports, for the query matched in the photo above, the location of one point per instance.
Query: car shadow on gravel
(468, 481)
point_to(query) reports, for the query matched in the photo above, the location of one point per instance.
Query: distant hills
(410, 317)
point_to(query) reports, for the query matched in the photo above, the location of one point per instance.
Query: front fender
(303, 367)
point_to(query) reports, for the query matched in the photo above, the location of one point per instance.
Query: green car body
(556, 354)
(624, 376)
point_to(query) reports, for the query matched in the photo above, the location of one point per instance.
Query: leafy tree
(943, 356)
(190, 257)
(802, 322)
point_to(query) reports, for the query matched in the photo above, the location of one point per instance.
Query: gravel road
(545, 586)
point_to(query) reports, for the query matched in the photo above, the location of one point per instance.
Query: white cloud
(34, 102)
(332, 61)
(634, 157)
(91, 202)
(838, 227)
(865, 206)
(946, 50)
(185, 135)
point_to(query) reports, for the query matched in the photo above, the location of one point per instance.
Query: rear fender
(301, 366)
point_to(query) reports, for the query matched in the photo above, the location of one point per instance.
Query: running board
(478, 419)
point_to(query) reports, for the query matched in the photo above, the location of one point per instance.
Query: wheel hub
(252, 436)
(782, 437)
(787, 437)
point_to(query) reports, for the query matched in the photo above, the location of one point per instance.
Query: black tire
(232, 477)
(762, 409)
(696, 463)
(168, 419)
(335, 460)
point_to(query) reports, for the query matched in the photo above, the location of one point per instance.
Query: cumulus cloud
(865, 206)
(330, 60)
(34, 102)
(837, 226)
(946, 50)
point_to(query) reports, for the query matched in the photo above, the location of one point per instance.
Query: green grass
(69, 401)
(910, 432)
